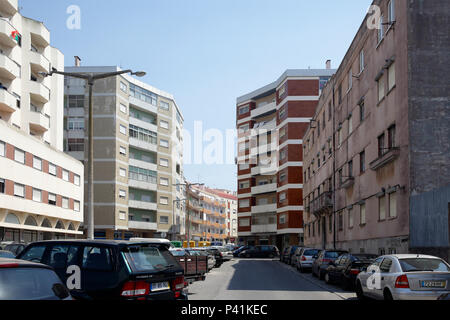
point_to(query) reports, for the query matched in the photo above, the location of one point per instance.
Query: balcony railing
(387, 157)
(322, 203)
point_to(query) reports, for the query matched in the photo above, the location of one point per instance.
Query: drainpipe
(334, 165)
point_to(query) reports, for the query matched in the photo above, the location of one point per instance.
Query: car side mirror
(60, 291)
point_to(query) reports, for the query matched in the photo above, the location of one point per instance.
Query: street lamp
(90, 80)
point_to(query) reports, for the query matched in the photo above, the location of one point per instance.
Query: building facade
(208, 214)
(271, 122)
(41, 193)
(138, 153)
(374, 154)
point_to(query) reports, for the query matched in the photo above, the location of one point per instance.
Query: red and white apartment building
(271, 122)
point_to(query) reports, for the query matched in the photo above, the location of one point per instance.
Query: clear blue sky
(205, 52)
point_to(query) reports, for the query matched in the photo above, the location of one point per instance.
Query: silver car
(404, 277)
(305, 259)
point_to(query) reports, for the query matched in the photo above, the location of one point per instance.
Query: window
(164, 124)
(391, 11)
(74, 145)
(350, 124)
(391, 76)
(340, 137)
(282, 196)
(350, 79)
(163, 162)
(341, 221)
(282, 177)
(123, 151)
(350, 218)
(282, 132)
(330, 223)
(123, 172)
(244, 128)
(381, 145)
(382, 208)
(164, 200)
(37, 163)
(123, 215)
(361, 61)
(244, 184)
(381, 88)
(283, 218)
(123, 86)
(97, 259)
(52, 199)
(2, 185)
(244, 203)
(52, 169)
(283, 154)
(122, 194)
(381, 29)
(244, 110)
(362, 214)
(140, 174)
(329, 112)
(143, 134)
(393, 205)
(73, 101)
(340, 176)
(65, 203)
(75, 124)
(362, 162)
(123, 108)
(37, 195)
(350, 168)
(164, 143)
(244, 166)
(391, 137)
(282, 113)
(386, 265)
(164, 220)
(19, 190)
(65, 175)
(244, 222)
(164, 181)
(2, 149)
(340, 93)
(76, 206)
(164, 105)
(361, 111)
(19, 156)
(123, 129)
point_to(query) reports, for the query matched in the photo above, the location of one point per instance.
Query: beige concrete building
(41, 194)
(138, 154)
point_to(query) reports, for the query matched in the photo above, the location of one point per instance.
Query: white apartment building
(138, 154)
(41, 194)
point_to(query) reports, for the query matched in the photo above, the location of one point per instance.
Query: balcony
(40, 36)
(322, 204)
(39, 92)
(266, 188)
(142, 225)
(143, 164)
(143, 184)
(143, 124)
(347, 183)
(386, 158)
(9, 6)
(263, 110)
(6, 29)
(266, 208)
(8, 103)
(143, 145)
(136, 204)
(266, 170)
(39, 122)
(38, 62)
(142, 105)
(8, 68)
(264, 228)
(263, 149)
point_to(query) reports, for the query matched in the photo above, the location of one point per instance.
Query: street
(263, 279)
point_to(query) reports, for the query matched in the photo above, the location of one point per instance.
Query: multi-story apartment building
(207, 214)
(231, 210)
(41, 193)
(138, 154)
(271, 122)
(377, 155)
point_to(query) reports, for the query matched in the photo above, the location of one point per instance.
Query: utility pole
(90, 80)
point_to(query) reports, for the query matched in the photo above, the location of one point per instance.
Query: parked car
(194, 264)
(7, 254)
(265, 251)
(287, 255)
(227, 254)
(24, 280)
(283, 253)
(305, 259)
(346, 268)
(211, 259)
(15, 247)
(322, 260)
(295, 256)
(217, 255)
(131, 270)
(404, 277)
(240, 249)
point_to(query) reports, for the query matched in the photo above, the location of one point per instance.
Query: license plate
(433, 284)
(159, 286)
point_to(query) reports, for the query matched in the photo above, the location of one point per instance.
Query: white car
(404, 277)
(226, 253)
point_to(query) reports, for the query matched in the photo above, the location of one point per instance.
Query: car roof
(409, 256)
(106, 242)
(22, 263)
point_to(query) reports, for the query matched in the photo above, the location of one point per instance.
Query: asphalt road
(263, 279)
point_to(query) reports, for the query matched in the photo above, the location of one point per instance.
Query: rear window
(178, 253)
(423, 264)
(333, 254)
(311, 252)
(27, 284)
(151, 258)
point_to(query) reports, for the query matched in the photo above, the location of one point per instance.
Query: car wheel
(387, 295)
(247, 255)
(359, 292)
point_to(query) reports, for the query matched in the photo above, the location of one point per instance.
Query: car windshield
(333, 254)
(310, 252)
(423, 264)
(149, 257)
(27, 284)
(178, 253)
(7, 254)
